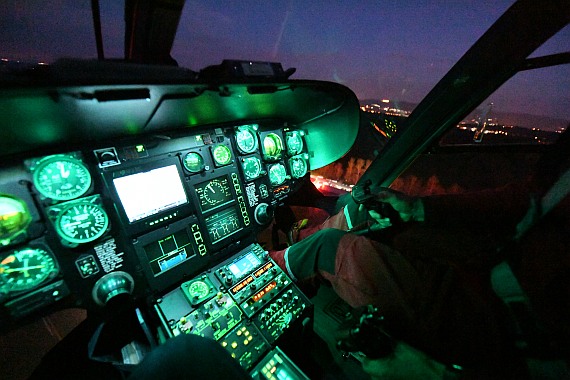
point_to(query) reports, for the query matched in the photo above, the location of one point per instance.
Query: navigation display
(166, 253)
(148, 193)
(214, 193)
(244, 265)
(223, 224)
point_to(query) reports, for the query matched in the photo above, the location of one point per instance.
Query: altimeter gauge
(25, 269)
(61, 177)
(81, 222)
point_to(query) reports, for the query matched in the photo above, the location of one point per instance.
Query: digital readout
(264, 269)
(222, 225)
(246, 281)
(262, 293)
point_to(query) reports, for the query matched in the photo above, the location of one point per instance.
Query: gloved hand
(409, 208)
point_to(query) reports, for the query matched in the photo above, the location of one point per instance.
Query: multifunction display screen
(223, 224)
(214, 193)
(244, 265)
(148, 193)
(166, 253)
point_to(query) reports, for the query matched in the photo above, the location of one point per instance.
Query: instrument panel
(152, 212)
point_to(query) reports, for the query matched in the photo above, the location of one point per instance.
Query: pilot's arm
(425, 303)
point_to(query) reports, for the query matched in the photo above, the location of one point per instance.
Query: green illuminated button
(294, 141)
(272, 146)
(25, 269)
(194, 162)
(14, 218)
(222, 155)
(298, 166)
(81, 222)
(61, 177)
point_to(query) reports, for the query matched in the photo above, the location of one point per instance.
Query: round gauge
(294, 142)
(198, 289)
(215, 193)
(81, 222)
(272, 145)
(14, 218)
(193, 162)
(26, 269)
(222, 155)
(251, 167)
(61, 178)
(298, 167)
(277, 174)
(246, 140)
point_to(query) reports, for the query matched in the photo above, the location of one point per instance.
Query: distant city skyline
(394, 49)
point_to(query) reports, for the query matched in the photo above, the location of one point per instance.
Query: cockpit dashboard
(105, 192)
(157, 210)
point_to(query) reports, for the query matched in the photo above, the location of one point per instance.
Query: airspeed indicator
(61, 177)
(246, 140)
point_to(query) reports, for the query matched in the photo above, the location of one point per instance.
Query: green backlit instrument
(61, 177)
(81, 222)
(246, 139)
(222, 155)
(25, 269)
(14, 218)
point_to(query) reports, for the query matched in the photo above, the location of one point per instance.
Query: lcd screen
(244, 265)
(148, 193)
(167, 253)
(223, 224)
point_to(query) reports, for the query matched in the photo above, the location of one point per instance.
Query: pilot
(431, 284)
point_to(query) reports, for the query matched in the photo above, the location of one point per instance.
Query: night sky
(380, 49)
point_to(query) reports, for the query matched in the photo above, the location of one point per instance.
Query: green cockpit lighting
(14, 218)
(25, 269)
(61, 177)
(222, 155)
(294, 141)
(81, 222)
(272, 146)
(246, 138)
(194, 162)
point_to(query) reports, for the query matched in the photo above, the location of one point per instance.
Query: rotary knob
(263, 214)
